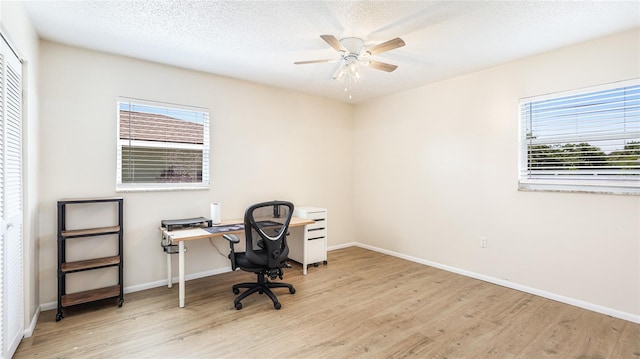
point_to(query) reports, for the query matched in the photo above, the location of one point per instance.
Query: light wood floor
(362, 304)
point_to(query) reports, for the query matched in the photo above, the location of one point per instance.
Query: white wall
(267, 143)
(436, 168)
(18, 26)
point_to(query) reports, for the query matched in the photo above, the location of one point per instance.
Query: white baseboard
(344, 245)
(501, 282)
(32, 326)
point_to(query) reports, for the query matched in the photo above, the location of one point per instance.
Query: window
(161, 146)
(586, 141)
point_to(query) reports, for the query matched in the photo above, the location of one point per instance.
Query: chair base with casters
(262, 286)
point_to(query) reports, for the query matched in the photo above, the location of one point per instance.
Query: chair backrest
(266, 225)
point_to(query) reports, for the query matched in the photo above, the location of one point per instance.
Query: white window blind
(587, 140)
(161, 146)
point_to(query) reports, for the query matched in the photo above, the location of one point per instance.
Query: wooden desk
(182, 235)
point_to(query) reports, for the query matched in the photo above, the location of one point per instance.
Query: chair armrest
(231, 238)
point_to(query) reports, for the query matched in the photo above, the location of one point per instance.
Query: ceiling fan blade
(382, 66)
(314, 62)
(333, 42)
(386, 46)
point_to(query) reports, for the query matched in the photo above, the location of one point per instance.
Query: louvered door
(11, 251)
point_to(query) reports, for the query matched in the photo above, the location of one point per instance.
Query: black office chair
(265, 226)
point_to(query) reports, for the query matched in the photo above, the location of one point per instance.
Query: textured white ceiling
(259, 40)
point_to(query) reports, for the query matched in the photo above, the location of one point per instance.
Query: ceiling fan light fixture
(352, 68)
(342, 71)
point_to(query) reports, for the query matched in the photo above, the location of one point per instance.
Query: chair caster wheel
(277, 305)
(59, 316)
(120, 301)
(236, 291)
(238, 306)
(292, 291)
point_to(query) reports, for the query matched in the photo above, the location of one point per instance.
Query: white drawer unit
(312, 247)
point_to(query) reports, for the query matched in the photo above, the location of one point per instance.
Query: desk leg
(305, 239)
(169, 283)
(181, 272)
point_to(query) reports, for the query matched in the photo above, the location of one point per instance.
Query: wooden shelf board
(90, 263)
(90, 295)
(90, 231)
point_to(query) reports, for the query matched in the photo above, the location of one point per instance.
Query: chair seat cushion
(243, 263)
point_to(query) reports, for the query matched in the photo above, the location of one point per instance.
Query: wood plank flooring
(362, 304)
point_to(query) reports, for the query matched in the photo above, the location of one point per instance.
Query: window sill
(579, 188)
(160, 188)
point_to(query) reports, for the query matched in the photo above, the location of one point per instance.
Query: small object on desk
(215, 213)
(173, 224)
(225, 228)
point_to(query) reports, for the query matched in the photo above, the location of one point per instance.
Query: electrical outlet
(483, 242)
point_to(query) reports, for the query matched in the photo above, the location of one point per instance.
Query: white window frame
(164, 186)
(590, 183)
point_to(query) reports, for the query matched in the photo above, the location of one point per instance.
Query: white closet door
(11, 278)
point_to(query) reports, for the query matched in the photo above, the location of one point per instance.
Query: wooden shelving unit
(64, 268)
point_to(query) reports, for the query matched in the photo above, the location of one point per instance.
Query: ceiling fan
(353, 53)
